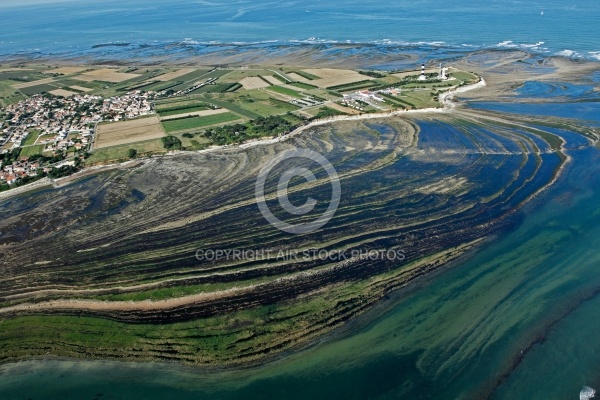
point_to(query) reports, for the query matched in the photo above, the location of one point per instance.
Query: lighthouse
(443, 73)
(422, 77)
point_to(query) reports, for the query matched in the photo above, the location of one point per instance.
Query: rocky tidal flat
(107, 267)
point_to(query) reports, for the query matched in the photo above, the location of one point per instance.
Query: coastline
(448, 106)
(445, 99)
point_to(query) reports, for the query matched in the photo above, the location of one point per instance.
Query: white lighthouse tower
(443, 73)
(422, 77)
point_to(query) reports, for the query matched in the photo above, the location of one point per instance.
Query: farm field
(302, 76)
(236, 75)
(286, 91)
(121, 152)
(341, 108)
(175, 74)
(81, 88)
(33, 83)
(183, 110)
(199, 122)
(62, 93)
(66, 70)
(254, 83)
(200, 112)
(333, 77)
(124, 132)
(106, 75)
(234, 95)
(273, 80)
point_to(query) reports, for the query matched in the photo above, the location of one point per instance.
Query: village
(45, 132)
(53, 131)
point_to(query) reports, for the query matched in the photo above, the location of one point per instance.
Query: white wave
(566, 53)
(509, 44)
(506, 43)
(190, 41)
(532, 46)
(594, 54)
(587, 393)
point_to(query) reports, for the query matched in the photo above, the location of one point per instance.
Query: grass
(198, 122)
(463, 76)
(237, 75)
(269, 107)
(216, 88)
(192, 76)
(303, 85)
(120, 153)
(32, 150)
(286, 91)
(420, 98)
(283, 105)
(195, 143)
(160, 86)
(183, 110)
(9, 95)
(172, 102)
(31, 138)
(279, 78)
(30, 91)
(233, 105)
(353, 86)
(306, 75)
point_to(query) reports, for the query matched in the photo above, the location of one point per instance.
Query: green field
(420, 98)
(32, 150)
(354, 86)
(120, 153)
(31, 138)
(175, 102)
(233, 104)
(239, 74)
(216, 88)
(183, 110)
(268, 107)
(464, 76)
(198, 122)
(306, 75)
(9, 95)
(303, 85)
(286, 91)
(197, 142)
(45, 88)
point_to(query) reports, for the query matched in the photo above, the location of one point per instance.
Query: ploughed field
(106, 267)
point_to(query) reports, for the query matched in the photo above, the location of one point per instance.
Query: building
(422, 77)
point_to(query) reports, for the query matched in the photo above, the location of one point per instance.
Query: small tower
(443, 72)
(422, 77)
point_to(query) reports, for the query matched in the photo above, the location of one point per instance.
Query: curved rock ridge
(118, 251)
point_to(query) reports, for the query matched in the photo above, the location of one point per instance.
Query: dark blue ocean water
(73, 27)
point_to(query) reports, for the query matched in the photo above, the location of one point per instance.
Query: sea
(527, 303)
(38, 28)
